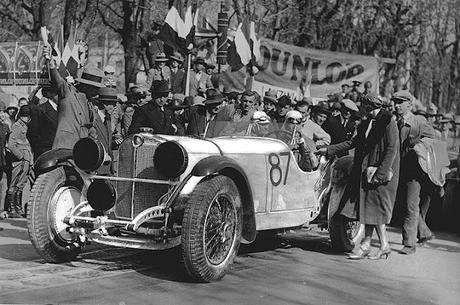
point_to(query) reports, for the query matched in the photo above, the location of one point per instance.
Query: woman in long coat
(374, 177)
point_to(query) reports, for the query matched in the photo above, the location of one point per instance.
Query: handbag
(370, 173)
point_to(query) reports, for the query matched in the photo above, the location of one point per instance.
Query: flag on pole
(178, 32)
(69, 57)
(244, 50)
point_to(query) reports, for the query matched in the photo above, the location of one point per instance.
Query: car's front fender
(51, 159)
(226, 166)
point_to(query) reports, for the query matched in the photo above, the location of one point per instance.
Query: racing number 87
(276, 173)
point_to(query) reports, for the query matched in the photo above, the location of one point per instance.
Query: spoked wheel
(342, 231)
(220, 229)
(51, 200)
(211, 229)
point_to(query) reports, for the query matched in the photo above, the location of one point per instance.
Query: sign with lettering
(22, 64)
(283, 66)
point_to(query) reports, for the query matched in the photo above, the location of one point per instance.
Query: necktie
(369, 127)
(401, 123)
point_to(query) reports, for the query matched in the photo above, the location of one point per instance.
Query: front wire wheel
(211, 229)
(51, 199)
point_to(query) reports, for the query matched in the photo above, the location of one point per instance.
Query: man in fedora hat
(155, 114)
(75, 118)
(108, 131)
(206, 120)
(200, 81)
(23, 159)
(177, 79)
(270, 103)
(159, 71)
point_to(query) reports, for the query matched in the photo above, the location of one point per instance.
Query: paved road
(298, 268)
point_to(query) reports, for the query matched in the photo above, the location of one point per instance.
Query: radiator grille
(137, 163)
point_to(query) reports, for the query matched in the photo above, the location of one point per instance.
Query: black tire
(204, 263)
(47, 233)
(342, 230)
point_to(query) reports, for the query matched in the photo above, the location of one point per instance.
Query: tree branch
(107, 23)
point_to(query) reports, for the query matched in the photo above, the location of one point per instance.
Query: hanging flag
(191, 24)
(254, 43)
(179, 33)
(239, 51)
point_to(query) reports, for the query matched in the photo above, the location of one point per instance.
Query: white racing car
(205, 195)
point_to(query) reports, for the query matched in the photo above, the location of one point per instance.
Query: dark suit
(177, 81)
(152, 116)
(333, 126)
(42, 128)
(104, 135)
(74, 115)
(349, 127)
(195, 118)
(103, 130)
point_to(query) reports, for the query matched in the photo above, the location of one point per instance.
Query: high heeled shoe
(360, 254)
(382, 254)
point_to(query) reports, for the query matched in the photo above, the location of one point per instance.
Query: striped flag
(69, 61)
(178, 32)
(244, 50)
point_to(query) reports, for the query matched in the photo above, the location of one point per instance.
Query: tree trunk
(454, 83)
(41, 14)
(436, 85)
(70, 17)
(129, 42)
(88, 18)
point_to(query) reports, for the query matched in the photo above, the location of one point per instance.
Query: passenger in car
(309, 128)
(241, 114)
(303, 147)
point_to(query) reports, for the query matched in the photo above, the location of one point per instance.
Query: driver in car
(303, 147)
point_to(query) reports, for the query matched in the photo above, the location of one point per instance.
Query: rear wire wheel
(342, 230)
(211, 229)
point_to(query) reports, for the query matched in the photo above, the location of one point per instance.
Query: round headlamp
(101, 195)
(170, 159)
(88, 154)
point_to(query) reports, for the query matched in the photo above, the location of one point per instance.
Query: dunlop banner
(283, 66)
(22, 64)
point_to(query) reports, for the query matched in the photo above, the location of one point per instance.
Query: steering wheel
(286, 137)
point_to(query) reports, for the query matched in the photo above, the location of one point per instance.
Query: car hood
(230, 145)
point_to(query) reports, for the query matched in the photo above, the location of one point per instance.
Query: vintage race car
(206, 195)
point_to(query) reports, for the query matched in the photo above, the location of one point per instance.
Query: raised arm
(57, 82)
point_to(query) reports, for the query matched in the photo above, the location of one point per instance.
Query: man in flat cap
(414, 182)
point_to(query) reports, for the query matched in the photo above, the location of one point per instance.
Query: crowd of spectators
(93, 106)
